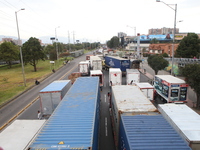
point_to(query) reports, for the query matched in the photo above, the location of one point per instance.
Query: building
(162, 48)
(163, 31)
(121, 34)
(11, 40)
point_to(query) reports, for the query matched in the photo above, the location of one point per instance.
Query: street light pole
(56, 42)
(175, 9)
(20, 49)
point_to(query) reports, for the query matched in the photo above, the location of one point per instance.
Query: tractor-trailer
(75, 122)
(117, 62)
(132, 76)
(128, 100)
(170, 89)
(95, 63)
(184, 120)
(19, 133)
(147, 89)
(145, 132)
(52, 94)
(115, 76)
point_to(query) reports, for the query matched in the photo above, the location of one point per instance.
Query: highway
(106, 141)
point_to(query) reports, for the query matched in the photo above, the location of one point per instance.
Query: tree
(8, 53)
(157, 62)
(50, 51)
(32, 52)
(165, 55)
(154, 41)
(113, 42)
(189, 46)
(191, 73)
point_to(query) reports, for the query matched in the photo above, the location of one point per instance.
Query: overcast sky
(94, 20)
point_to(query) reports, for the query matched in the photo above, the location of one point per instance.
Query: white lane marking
(106, 129)
(105, 98)
(104, 82)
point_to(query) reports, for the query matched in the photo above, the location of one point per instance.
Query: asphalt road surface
(106, 141)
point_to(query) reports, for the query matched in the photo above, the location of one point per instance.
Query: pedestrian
(69, 61)
(108, 94)
(39, 115)
(131, 82)
(37, 82)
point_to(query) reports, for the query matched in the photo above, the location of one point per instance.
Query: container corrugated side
(184, 120)
(74, 123)
(144, 132)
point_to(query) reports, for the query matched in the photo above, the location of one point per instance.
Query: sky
(94, 20)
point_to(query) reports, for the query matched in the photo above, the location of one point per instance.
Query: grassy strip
(11, 80)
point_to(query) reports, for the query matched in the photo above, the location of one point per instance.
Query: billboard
(158, 37)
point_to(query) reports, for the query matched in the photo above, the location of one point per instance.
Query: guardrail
(184, 61)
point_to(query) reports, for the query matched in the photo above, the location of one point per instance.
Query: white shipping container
(96, 63)
(115, 76)
(147, 89)
(83, 67)
(99, 74)
(132, 76)
(184, 120)
(19, 133)
(52, 94)
(129, 100)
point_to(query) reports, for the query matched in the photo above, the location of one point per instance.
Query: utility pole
(69, 40)
(20, 48)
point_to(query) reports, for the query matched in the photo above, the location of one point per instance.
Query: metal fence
(184, 61)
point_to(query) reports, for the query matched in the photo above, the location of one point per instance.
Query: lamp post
(20, 49)
(56, 41)
(134, 35)
(175, 10)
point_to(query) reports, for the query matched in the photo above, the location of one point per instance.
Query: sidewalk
(189, 103)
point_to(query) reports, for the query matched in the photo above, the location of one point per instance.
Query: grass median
(11, 80)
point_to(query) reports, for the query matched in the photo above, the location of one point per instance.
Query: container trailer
(145, 132)
(19, 133)
(117, 62)
(147, 89)
(170, 89)
(84, 68)
(95, 63)
(75, 122)
(51, 96)
(115, 76)
(132, 76)
(184, 120)
(128, 100)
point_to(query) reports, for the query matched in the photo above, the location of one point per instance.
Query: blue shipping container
(117, 62)
(74, 123)
(145, 132)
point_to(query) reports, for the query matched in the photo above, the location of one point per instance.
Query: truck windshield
(174, 93)
(165, 90)
(183, 93)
